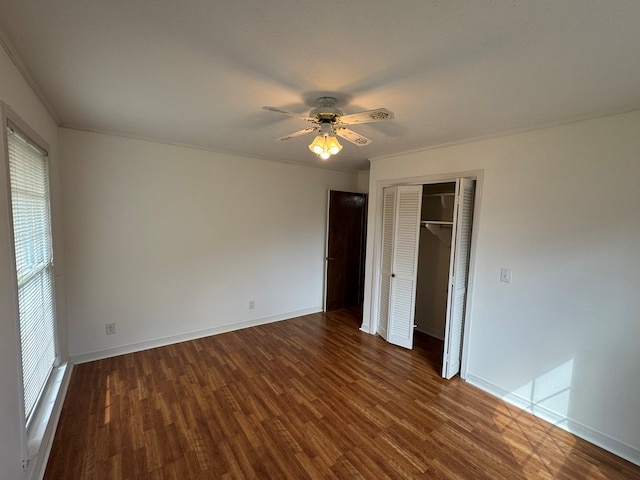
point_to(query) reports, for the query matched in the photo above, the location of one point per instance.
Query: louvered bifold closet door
(388, 227)
(460, 272)
(404, 266)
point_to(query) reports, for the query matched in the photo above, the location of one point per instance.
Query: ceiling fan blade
(291, 114)
(367, 116)
(352, 136)
(297, 134)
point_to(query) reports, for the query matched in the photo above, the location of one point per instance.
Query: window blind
(29, 179)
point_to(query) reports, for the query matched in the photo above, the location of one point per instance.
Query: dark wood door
(345, 249)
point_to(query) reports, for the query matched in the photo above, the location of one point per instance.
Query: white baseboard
(367, 329)
(183, 337)
(585, 432)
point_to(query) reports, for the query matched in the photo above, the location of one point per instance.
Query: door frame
(326, 253)
(370, 312)
(363, 246)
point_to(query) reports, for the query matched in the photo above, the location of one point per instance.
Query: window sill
(42, 425)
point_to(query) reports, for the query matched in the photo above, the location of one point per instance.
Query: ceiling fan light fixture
(325, 145)
(328, 120)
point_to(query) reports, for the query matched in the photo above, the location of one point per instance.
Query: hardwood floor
(312, 397)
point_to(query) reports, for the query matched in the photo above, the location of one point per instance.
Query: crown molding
(26, 74)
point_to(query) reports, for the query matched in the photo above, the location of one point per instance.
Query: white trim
(50, 416)
(203, 148)
(579, 429)
(326, 253)
(183, 337)
(480, 138)
(26, 74)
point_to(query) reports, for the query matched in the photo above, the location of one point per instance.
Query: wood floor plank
(311, 397)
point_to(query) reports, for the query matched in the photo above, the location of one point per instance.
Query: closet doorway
(424, 264)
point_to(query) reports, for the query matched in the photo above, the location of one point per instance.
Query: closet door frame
(370, 317)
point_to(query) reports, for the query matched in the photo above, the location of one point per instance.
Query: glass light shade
(325, 145)
(318, 145)
(333, 146)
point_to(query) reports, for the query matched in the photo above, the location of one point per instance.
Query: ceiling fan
(329, 121)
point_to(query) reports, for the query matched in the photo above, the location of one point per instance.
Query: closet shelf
(424, 223)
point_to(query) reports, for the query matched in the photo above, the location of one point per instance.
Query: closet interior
(434, 258)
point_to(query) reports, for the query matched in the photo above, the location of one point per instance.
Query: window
(29, 187)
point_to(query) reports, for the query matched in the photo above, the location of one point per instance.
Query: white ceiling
(197, 72)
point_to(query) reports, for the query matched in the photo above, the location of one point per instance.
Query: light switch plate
(505, 275)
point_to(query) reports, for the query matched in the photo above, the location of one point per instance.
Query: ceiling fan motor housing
(326, 128)
(326, 110)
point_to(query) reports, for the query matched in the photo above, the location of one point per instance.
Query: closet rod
(438, 194)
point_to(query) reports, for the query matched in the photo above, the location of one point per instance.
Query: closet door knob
(393, 275)
(330, 258)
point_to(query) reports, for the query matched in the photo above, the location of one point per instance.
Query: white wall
(15, 92)
(559, 206)
(432, 282)
(167, 241)
(363, 181)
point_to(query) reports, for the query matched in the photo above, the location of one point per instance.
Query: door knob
(330, 258)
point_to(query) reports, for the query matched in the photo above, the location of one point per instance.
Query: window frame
(30, 428)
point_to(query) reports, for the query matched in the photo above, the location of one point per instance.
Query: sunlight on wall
(519, 428)
(551, 394)
(549, 391)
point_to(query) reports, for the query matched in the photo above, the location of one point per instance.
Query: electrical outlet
(252, 304)
(505, 275)
(110, 328)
